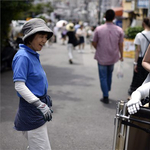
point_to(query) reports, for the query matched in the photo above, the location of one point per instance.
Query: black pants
(138, 77)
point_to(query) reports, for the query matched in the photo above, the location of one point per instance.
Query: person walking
(142, 40)
(63, 33)
(71, 40)
(55, 31)
(108, 42)
(81, 33)
(31, 85)
(90, 36)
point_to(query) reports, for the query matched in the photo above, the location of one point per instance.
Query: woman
(144, 90)
(91, 35)
(81, 34)
(63, 33)
(31, 86)
(141, 41)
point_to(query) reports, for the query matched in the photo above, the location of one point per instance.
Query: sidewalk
(80, 120)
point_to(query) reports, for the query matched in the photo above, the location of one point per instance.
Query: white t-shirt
(142, 41)
(91, 35)
(81, 32)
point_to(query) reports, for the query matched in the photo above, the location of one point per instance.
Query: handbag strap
(145, 37)
(148, 42)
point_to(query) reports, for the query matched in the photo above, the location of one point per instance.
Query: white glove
(45, 110)
(134, 103)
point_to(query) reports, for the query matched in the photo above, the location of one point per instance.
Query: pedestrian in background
(108, 42)
(50, 24)
(142, 40)
(77, 26)
(90, 36)
(63, 33)
(55, 31)
(81, 33)
(71, 40)
(31, 85)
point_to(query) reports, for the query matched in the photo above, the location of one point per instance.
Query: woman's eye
(41, 36)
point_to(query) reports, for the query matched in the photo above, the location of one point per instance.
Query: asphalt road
(80, 120)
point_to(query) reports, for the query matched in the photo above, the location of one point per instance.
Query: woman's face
(38, 42)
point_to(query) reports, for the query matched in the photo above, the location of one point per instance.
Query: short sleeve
(137, 39)
(20, 68)
(95, 37)
(121, 36)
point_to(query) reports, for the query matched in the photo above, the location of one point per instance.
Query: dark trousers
(138, 77)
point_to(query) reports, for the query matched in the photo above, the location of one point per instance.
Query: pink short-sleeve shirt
(108, 37)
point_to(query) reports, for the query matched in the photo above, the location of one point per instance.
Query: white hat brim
(39, 29)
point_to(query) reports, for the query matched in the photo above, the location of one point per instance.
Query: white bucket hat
(70, 27)
(35, 25)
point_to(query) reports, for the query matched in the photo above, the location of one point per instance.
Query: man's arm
(94, 44)
(121, 51)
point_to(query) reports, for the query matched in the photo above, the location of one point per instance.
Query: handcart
(131, 132)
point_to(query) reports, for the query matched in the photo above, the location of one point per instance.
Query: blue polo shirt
(27, 68)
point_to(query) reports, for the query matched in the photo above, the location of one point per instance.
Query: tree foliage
(131, 32)
(11, 10)
(19, 10)
(41, 8)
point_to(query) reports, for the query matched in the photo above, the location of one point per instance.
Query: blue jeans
(105, 76)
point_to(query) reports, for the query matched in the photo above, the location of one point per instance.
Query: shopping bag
(120, 70)
(76, 41)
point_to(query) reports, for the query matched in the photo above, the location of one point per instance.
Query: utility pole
(148, 14)
(99, 15)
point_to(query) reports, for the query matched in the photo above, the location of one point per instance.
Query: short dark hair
(30, 38)
(147, 21)
(110, 15)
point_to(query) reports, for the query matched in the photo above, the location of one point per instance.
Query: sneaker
(105, 100)
(70, 61)
(82, 51)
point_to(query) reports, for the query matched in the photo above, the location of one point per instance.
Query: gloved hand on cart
(134, 103)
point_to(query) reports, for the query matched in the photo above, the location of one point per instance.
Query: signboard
(128, 48)
(143, 4)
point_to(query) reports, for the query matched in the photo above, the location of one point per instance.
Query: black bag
(76, 41)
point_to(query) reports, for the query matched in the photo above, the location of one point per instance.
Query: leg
(103, 79)
(110, 69)
(83, 45)
(38, 138)
(79, 50)
(70, 49)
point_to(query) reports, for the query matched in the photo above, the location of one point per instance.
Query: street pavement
(80, 121)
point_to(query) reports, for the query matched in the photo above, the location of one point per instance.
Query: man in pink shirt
(108, 42)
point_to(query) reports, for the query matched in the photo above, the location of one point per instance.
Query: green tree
(11, 10)
(14, 10)
(131, 32)
(41, 8)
